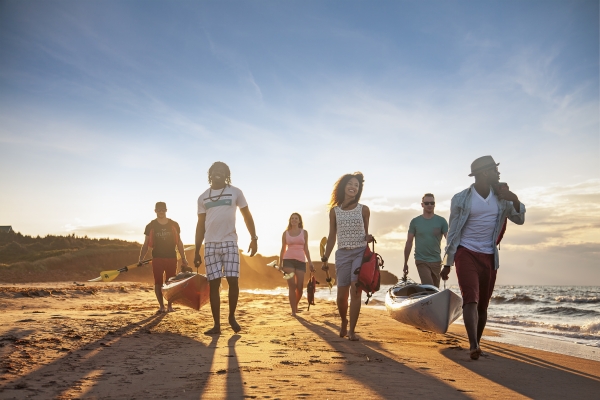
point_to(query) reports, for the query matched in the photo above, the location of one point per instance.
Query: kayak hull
(433, 312)
(192, 292)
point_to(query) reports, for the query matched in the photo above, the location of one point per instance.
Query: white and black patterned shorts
(221, 259)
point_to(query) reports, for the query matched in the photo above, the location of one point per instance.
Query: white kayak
(423, 306)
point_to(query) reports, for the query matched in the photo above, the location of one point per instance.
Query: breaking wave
(590, 330)
(575, 299)
(566, 311)
(516, 299)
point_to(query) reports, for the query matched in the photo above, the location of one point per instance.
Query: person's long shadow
(528, 375)
(405, 380)
(164, 364)
(235, 387)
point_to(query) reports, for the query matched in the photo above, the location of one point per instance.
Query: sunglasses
(429, 203)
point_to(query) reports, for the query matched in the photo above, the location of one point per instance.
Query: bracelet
(324, 259)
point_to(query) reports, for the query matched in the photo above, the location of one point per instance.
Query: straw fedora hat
(482, 163)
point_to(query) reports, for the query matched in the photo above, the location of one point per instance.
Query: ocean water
(554, 318)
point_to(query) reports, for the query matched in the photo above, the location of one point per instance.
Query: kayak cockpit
(412, 291)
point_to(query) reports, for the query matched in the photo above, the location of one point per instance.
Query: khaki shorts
(429, 272)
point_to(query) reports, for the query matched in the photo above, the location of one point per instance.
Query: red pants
(476, 276)
(163, 266)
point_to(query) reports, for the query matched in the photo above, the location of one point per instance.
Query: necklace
(343, 206)
(220, 194)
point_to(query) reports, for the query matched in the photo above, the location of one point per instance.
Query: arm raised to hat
(507, 195)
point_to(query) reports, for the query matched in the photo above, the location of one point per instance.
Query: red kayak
(188, 289)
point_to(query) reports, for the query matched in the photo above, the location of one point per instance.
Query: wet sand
(59, 340)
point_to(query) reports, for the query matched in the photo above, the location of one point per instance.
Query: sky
(109, 106)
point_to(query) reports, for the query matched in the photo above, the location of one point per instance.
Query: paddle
(325, 267)
(109, 276)
(285, 276)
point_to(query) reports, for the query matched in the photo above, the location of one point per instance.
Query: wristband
(324, 259)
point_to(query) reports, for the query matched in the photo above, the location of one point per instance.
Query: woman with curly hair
(293, 256)
(349, 224)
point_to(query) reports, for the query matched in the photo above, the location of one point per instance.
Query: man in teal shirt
(428, 230)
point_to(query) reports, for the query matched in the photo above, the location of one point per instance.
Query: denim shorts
(297, 265)
(346, 262)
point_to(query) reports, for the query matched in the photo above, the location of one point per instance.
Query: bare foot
(170, 309)
(344, 329)
(475, 353)
(234, 325)
(352, 336)
(160, 310)
(216, 330)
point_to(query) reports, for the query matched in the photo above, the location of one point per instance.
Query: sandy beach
(61, 340)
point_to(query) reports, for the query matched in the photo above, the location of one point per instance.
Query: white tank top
(350, 228)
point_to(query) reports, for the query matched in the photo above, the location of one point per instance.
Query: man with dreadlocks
(216, 227)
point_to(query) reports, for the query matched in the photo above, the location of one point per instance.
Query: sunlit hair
(338, 193)
(427, 195)
(227, 172)
(290, 221)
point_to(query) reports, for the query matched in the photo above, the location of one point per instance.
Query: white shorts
(221, 259)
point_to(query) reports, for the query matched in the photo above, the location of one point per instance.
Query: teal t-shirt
(428, 236)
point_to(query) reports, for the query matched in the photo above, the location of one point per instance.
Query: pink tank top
(295, 247)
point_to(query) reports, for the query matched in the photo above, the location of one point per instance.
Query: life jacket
(174, 235)
(311, 287)
(369, 273)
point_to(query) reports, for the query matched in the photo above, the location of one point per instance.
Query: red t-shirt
(163, 238)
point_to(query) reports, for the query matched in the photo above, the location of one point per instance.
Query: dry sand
(59, 340)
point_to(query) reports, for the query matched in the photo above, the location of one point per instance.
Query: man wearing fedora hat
(477, 216)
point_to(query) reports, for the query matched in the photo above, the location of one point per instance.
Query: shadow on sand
(133, 362)
(527, 375)
(367, 354)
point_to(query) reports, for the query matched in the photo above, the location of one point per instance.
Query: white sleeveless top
(350, 228)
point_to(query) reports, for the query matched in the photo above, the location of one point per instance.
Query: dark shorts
(163, 266)
(476, 276)
(296, 264)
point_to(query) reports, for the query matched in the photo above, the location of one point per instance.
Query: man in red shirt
(162, 235)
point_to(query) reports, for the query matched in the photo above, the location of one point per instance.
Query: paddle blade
(98, 279)
(288, 276)
(273, 264)
(322, 246)
(108, 276)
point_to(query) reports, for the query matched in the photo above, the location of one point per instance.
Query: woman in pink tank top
(293, 256)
